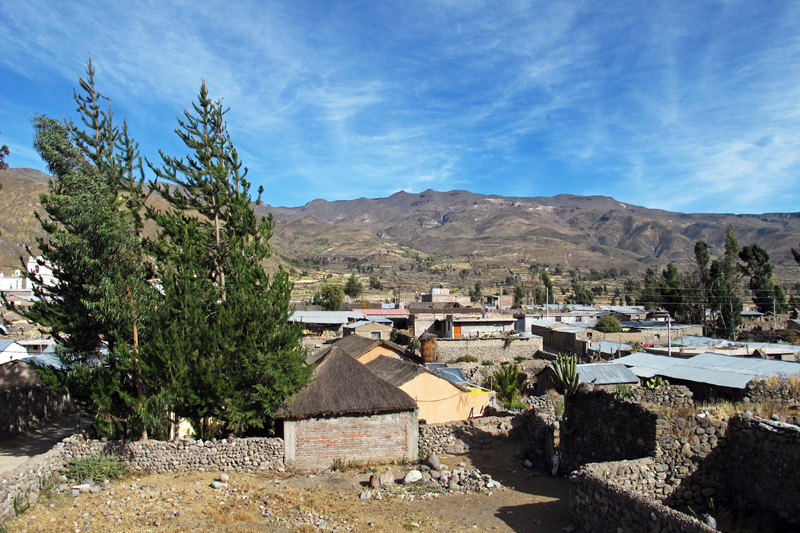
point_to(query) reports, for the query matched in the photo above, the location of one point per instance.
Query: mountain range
(459, 230)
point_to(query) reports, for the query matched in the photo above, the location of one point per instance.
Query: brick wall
(315, 443)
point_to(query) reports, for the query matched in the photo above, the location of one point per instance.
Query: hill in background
(413, 240)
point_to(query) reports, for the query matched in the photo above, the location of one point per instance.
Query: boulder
(433, 461)
(412, 477)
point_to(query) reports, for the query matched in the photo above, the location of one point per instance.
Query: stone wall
(677, 396)
(781, 391)
(487, 349)
(688, 460)
(22, 485)
(185, 455)
(617, 497)
(598, 427)
(768, 480)
(534, 431)
(28, 407)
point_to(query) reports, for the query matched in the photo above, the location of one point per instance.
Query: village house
(433, 317)
(604, 375)
(442, 295)
(325, 323)
(347, 413)
(362, 349)
(439, 399)
(371, 328)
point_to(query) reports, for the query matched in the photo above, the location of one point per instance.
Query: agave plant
(567, 377)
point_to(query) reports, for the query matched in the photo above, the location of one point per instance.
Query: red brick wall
(320, 441)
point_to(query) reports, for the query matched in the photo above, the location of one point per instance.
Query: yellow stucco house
(439, 399)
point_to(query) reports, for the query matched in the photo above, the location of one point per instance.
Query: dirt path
(529, 501)
(17, 449)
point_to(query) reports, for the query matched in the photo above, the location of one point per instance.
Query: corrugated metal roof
(359, 323)
(605, 374)
(710, 368)
(609, 347)
(325, 317)
(453, 374)
(718, 378)
(624, 309)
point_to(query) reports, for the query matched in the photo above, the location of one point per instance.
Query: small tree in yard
(608, 324)
(352, 287)
(329, 297)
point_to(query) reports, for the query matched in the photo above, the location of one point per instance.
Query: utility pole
(669, 335)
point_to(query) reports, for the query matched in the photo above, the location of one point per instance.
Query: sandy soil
(528, 501)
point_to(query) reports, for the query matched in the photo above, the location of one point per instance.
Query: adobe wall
(315, 443)
(487, 349)
(28, 407)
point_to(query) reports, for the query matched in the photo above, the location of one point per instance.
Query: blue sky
(686, 106)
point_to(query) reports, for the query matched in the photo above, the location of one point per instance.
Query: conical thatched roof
(343, 386)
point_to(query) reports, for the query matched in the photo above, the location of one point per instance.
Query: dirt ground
(530, 500)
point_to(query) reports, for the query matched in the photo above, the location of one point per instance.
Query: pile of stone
(434, 476)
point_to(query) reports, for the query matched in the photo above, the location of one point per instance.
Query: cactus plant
(567, 377)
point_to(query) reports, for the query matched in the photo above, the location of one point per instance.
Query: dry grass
(728, 408)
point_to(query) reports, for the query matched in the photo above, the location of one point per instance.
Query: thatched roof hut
(347, 412)
(343, 386)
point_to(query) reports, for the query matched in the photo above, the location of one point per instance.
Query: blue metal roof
(453, 374)
(609, 347)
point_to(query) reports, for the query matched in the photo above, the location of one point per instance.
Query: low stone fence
(617, 496)
(186, 455)
(496, 349)
(768, 480)
(781, 391)
(21, 486)
(28, 407)
(677, 396)
(535, 432)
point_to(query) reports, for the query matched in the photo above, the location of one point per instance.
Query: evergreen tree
(671, 292)
(103, 297)
(352, 287)
(767, 295)
(650, 292)
(476, 294)
(239, 356)
(519, 297)
(330, 298)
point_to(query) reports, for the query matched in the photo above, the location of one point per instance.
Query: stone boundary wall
(534, 430)
(677, 396)
(782, 391)
(486, 349)
(28, 407)
(768, 481)
(21, 486)
(612, 497)
(599, 427)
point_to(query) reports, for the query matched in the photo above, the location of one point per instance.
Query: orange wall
(441, 401)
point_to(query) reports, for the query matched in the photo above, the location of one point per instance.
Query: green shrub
(98, 468)
(467, 359)
(520, 359)
(608, 324)
(487, 363)
(509, 383)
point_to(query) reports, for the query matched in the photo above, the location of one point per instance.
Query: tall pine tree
(229, 321)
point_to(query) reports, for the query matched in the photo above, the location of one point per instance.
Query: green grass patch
(98, 468)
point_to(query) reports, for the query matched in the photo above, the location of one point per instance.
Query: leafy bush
(467, 359)
(98, 468)
(520, 359)
(509, 383)
(487, 363)
(608, 324)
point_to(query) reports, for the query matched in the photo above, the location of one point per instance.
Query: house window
(657, 336)
(588, 335)
(578, 319)
(375, 335)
